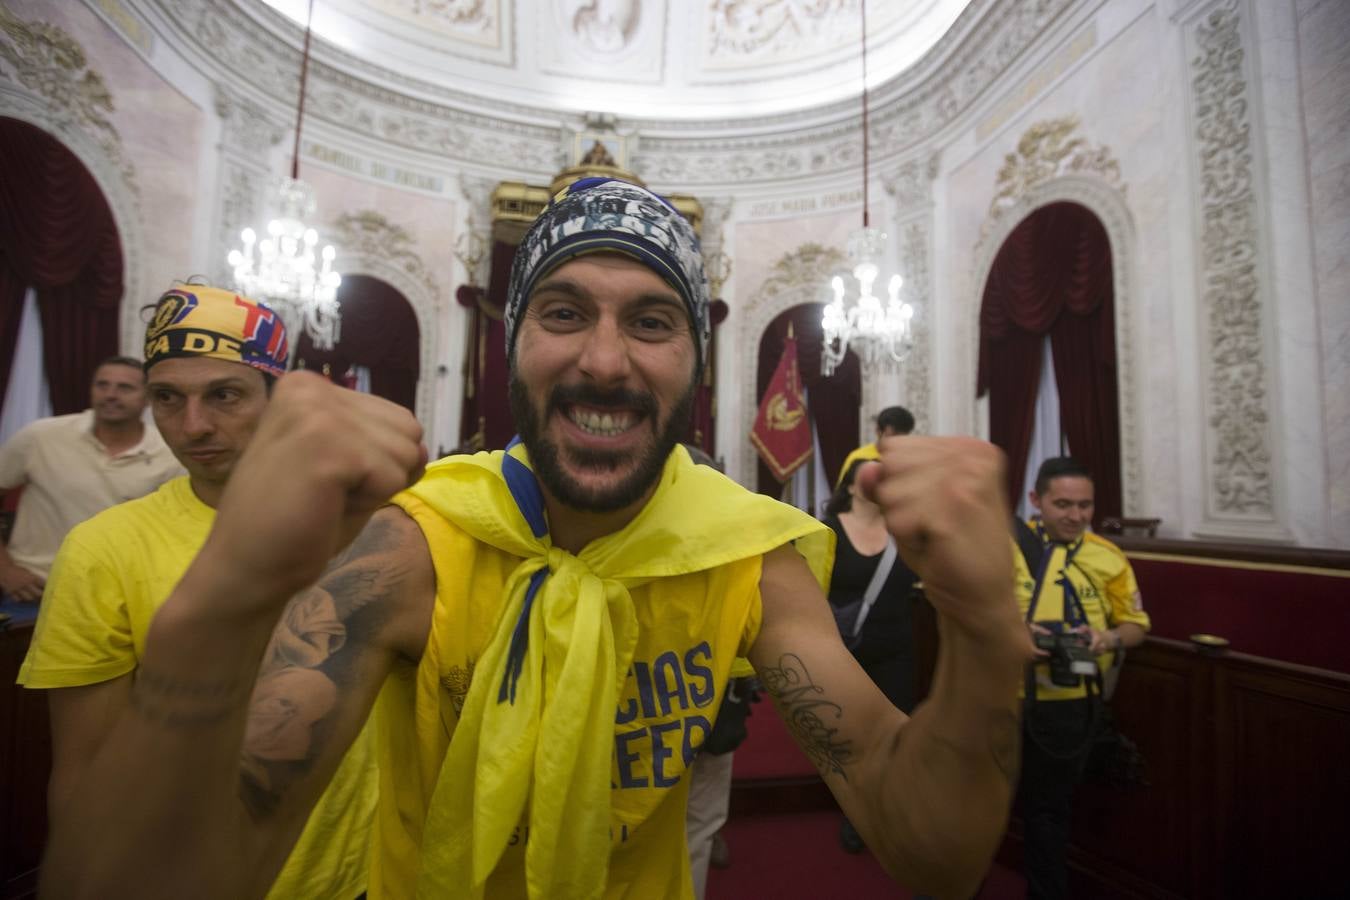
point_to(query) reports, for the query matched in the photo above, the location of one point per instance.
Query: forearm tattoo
(312, 657)
(810, 714)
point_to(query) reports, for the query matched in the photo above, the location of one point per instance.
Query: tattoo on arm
(183, 704)
(305, 668)
(809, 714)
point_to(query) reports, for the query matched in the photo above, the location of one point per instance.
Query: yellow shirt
(862, 454)
(112, 574)
(1104, 582)
(67, 476)
(540, 747)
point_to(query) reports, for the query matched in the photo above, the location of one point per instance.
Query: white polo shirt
(68, 476)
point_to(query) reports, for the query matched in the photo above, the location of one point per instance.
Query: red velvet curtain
(1053, 276)
(833, 402)
(485, 420)
(57, 235)
(379, 331)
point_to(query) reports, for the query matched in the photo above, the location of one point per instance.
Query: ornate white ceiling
(667, 59)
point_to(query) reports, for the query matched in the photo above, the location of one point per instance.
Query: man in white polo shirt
(71, 467)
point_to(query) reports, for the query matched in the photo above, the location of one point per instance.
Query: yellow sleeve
(83, 633)
(1127, 605)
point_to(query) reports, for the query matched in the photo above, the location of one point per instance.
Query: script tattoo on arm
(809, 713)
(313, 655)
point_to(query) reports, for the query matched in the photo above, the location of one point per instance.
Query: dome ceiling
(669, 59)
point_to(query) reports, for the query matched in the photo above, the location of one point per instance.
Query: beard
(546, 455)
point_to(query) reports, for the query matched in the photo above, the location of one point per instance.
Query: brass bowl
(1209, 644)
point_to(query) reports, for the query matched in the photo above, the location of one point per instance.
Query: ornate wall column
(1242, 489)
(248, 135)
(910, 187)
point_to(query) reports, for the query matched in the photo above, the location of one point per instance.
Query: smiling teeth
(603, 424)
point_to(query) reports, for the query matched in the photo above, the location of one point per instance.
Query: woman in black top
(885, 648)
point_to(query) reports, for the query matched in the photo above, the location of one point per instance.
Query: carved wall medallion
(798, 277)
(1238, 401)
(51, 64)
(1048, 150)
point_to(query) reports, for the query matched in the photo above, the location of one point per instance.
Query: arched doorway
(833, 402)
(59, 241)
(1050, 292)
(379, 336)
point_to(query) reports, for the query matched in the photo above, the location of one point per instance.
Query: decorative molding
(1240, 481)
(906, 111)
(369, 244)
(250, 56)
(52, 65)
(1049, 149)
(775, 27)
(1107, 202)
(358, 96)
(796, 278)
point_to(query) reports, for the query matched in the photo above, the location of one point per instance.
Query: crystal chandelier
(281, 269)
(879, 332)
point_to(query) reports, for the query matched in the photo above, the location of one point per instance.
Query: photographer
(1082, 605)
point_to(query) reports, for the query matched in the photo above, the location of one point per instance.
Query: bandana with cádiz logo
(196, 320)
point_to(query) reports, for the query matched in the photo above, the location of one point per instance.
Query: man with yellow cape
(545, 633)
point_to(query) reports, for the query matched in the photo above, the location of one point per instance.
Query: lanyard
(1073, 612)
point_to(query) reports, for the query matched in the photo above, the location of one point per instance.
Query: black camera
(1070, 658)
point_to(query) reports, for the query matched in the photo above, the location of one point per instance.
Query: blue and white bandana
(607, 215)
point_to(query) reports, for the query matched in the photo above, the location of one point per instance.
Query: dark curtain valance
(1053, 275)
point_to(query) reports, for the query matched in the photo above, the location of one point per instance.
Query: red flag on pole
(782, 431)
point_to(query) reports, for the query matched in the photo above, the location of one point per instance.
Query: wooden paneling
(1249, 789)
(25, 762)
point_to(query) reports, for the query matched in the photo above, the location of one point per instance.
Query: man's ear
(1035, 499)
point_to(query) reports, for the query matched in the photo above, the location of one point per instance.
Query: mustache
(589, 395)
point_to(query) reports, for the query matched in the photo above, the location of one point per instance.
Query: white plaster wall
(1322, 39)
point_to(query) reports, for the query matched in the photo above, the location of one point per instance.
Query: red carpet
(787, 857)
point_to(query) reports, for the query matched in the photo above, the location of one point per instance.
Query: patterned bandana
(605, 214)
(196, 320)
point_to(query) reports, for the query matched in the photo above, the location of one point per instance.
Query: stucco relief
(49, 63)
(774, 27)
(797, 277)
(369, 244)
(602, 26)
(1238, 401)
(904, 115)
(1047, 150)
(1053, 164)
(246, 125)
(460, 15)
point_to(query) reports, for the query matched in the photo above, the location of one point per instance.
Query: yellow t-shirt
(110, 577)
(1105, 584)
(691, 629)
(863, 453)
